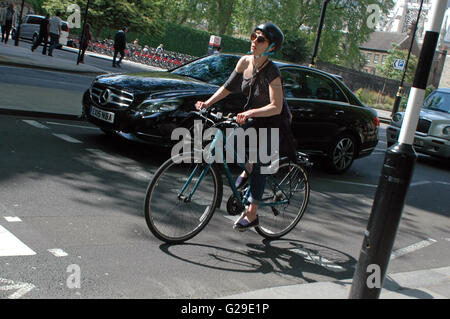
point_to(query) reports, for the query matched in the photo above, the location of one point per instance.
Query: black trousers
(6, 29)
(122, 54)
(83, 52)
(43, 39)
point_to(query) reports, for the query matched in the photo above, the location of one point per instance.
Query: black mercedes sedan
(329, 122)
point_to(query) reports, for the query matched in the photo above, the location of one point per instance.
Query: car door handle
(339, 112)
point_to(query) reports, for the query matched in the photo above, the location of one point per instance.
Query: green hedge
(185, 40)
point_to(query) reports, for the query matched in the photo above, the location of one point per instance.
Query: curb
(419, 284)
(56, 116)
(45, 68)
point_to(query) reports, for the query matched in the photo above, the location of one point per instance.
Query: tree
(143, 16)
(388, 71)
(295, 47)
(345, 26)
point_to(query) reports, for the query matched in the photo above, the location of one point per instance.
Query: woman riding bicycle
(258, 78)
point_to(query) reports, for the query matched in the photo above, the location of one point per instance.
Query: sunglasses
(258, 38)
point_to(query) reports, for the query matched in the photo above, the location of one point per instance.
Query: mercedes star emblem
(105, 97)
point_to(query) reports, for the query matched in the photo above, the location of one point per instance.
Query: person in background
(84, 41)
(8, 19)
(55, 24)
(159, 49)
(120, 44)
(43, 35)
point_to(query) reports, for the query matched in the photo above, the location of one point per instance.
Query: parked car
(432, 135)
(29, 29)
(328, 120)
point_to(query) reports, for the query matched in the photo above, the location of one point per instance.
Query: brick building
(377, 48)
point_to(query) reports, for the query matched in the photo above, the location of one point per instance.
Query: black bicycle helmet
(273, 33)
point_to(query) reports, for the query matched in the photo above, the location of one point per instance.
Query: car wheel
(342, 153)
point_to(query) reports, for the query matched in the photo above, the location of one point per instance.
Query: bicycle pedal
(275, 211)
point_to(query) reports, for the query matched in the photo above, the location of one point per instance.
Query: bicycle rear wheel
(290, 183)
(172, 215)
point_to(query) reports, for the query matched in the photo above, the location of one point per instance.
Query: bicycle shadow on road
(292, 260)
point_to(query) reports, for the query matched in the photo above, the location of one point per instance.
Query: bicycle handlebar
(218, 118)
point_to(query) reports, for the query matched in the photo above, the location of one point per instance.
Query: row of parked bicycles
(140, 54)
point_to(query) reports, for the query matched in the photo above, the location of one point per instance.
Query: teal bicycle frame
(242, 199)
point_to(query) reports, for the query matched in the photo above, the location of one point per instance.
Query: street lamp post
(395, 177)
(16, 40)
(399, 95)
(319, 32)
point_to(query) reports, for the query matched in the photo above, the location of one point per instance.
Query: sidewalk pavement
(421, 284)
(22, 56)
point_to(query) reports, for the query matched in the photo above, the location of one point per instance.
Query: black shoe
(118, 65)
(32, 50)
(242, 225)
(50, 54)
(114, 66)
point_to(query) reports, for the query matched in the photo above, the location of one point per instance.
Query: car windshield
(438, 101)
(213, 69)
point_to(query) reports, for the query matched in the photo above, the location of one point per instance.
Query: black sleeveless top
(256, 89)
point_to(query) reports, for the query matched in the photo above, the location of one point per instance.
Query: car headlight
(159, 105)
(446, 130)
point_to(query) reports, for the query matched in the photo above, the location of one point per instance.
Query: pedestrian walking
(120, 44)
(55, 24)
(84, 41)
(8, 19)
(43, 35)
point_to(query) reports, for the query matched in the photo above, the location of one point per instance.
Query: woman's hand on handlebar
(200, 105)
(241, 118)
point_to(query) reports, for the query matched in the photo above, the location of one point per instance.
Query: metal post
(16, 40)
(82, 30)
(395, 177)
(319, 32)
(399, 95)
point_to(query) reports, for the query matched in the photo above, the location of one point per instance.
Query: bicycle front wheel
(173, 211)
(288, 189)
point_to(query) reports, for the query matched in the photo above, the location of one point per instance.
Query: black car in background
(329, 122)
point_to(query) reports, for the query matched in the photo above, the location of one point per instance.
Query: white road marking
(12, 219)
(350, 183)
(419, 183)
(58, 252)
(10, 245)
(72, 125)
(421, 244)
(21, 287)
(35, 124)
(67, 138)
(444, 183)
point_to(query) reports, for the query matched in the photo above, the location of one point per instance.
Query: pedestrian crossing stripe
(10, 245)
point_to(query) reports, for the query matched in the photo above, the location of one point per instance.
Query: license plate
(102, 115)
